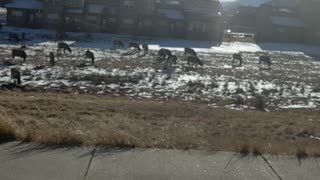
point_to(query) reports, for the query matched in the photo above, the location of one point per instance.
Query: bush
(6, 132)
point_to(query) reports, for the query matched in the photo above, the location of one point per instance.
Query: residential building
(309, 13)
(199, 20)
(25, 14)
(276, 24)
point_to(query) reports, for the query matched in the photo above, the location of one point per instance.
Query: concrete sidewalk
(39, 162)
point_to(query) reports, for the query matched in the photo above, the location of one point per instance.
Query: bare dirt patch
(92, 119)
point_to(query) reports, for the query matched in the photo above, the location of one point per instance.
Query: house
(169, 19)
(203, 19)
(199, 20)
(23, 13)
(309, 13)
(242, 19)
(67, 14)
(279, 24)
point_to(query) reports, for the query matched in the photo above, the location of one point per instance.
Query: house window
(198, 27)
(204, 28)
(16, 13)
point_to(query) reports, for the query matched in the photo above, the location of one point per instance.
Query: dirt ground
(105, 119)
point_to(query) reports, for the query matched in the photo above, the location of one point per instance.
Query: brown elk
(266, 60)
(190, 51)
(15, 76)
(19, 53)
(52, 59)
(145, 48)
(163, 54)
(90, 55)
(134, 46)
(63, 46)
(194, 61)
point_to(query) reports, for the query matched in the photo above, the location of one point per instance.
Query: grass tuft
(244, 151)
(301, 154)
(256, 152)
(7, 132)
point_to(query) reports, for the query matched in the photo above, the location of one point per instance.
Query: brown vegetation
(89, 120)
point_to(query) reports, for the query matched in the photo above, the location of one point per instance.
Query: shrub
(6, 132)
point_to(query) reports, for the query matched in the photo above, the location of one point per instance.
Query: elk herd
(190, 57)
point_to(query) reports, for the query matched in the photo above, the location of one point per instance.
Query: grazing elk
(189, 51)
(90, 55)
(237, 57)
(117, 44)
(19, 53)
(134, 46)
(63, 46)
(266, 60)
(194, 61)
(15, 76)
(52, 59)
(163, 54)
(170, 61)
(145, 48)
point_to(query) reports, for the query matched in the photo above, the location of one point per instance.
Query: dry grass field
(51, 118)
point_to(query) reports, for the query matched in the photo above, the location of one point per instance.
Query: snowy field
(293, 81)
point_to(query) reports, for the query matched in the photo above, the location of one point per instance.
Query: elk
(90, 55)
(134, 46)
(145, 48)
(52, 59)
(15, 76)
(63, 46)
(266, 60)
(194, 61)
(170, 61)
(19, 53)
(163, 54)
(190, 51)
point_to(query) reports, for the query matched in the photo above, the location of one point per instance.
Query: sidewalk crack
(274, 171)
(89, 164)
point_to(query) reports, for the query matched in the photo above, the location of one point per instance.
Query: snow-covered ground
(293, 81)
